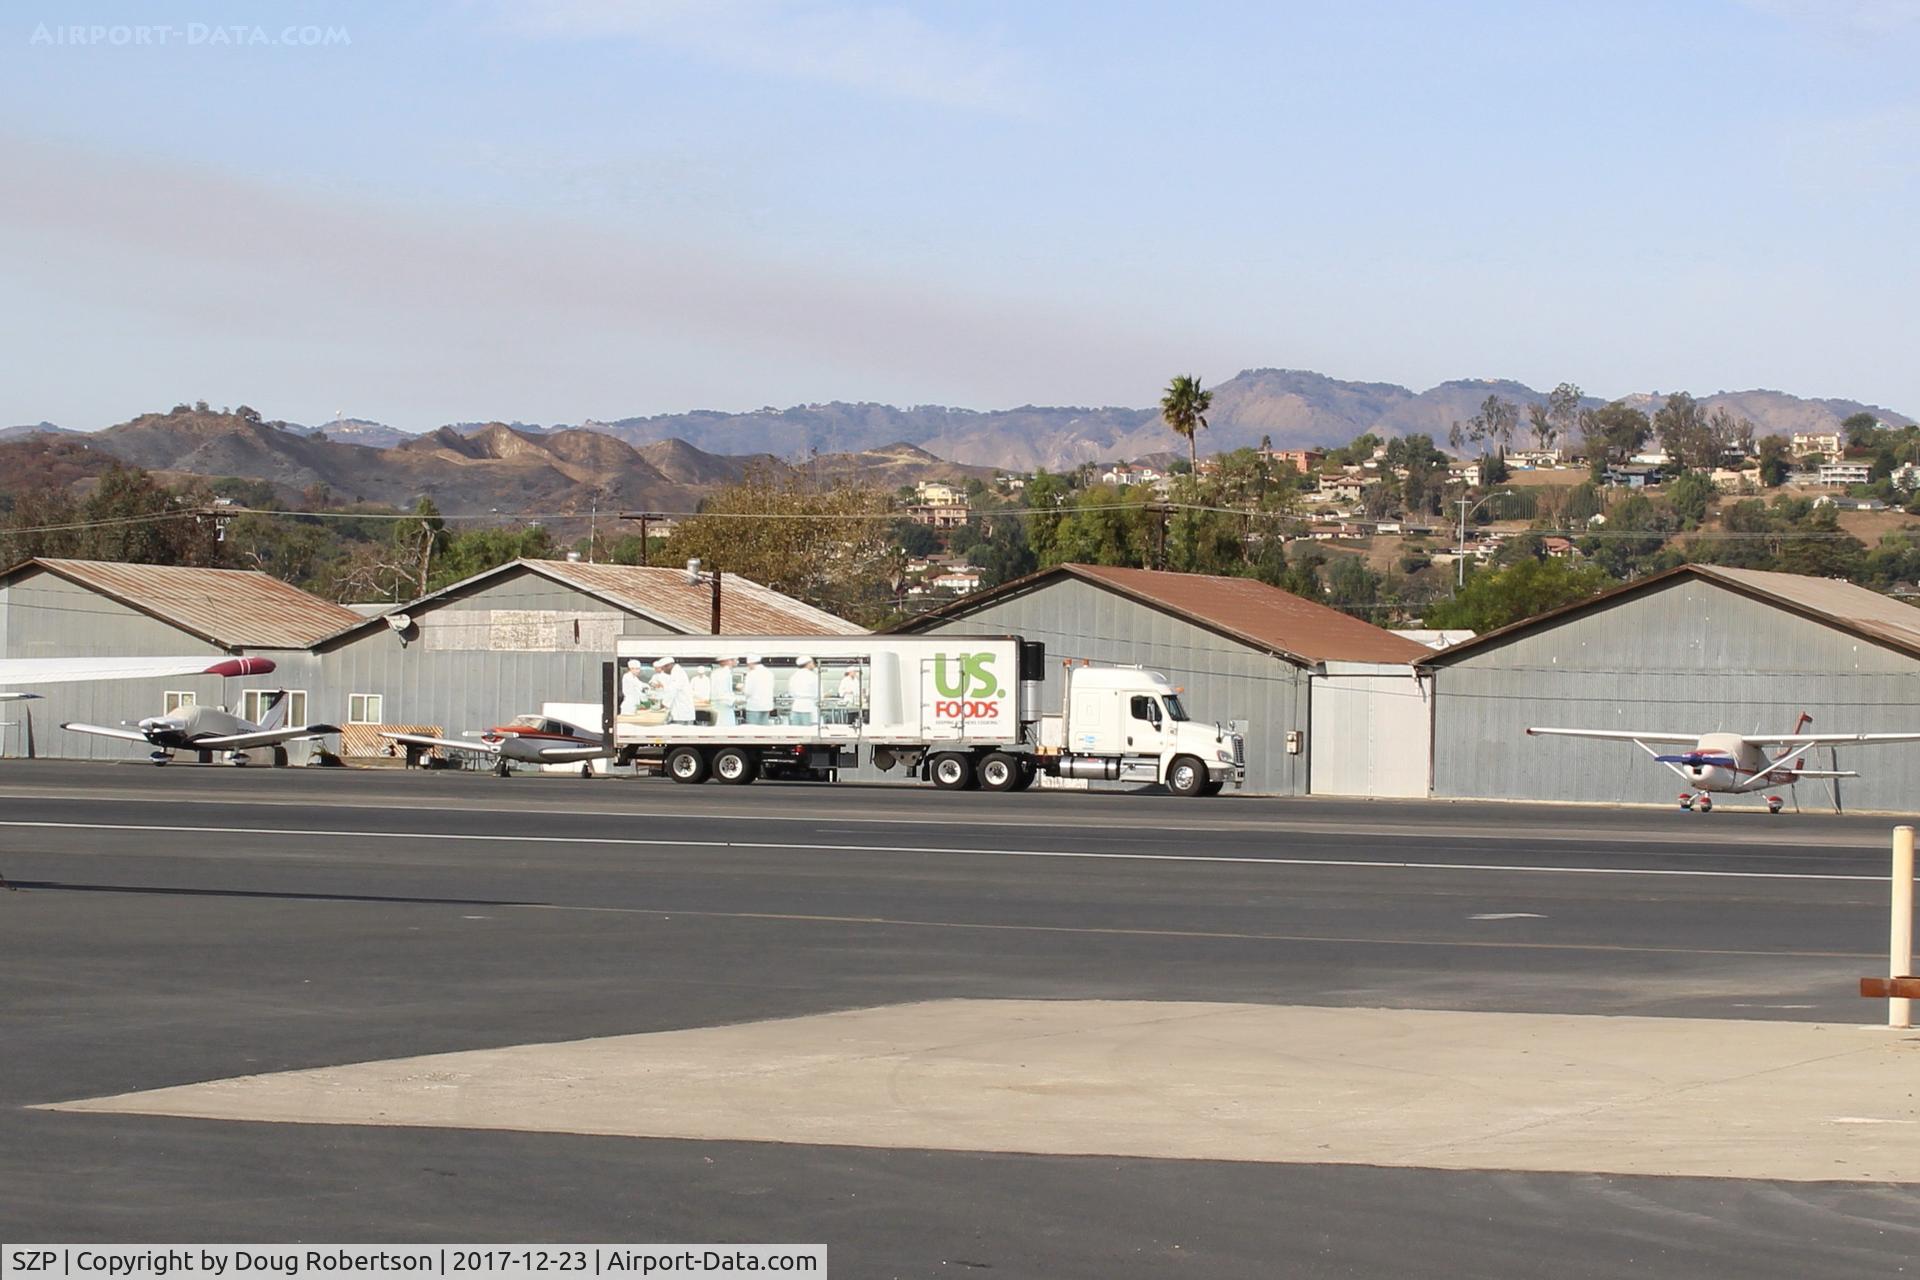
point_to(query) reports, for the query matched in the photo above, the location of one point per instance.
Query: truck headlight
(1225, 757)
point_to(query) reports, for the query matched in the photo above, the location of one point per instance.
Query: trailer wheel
(686, 764)
(1187, 776)
(1000, 772)
(735, 765)
(951, 771)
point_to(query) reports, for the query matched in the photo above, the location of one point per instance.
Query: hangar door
(1372, 731)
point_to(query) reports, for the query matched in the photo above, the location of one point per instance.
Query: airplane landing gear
(161, 757)
(500, 769)
(1704, 803)
(1775, 804)
(238, 758)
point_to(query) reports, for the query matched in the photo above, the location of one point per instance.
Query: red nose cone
(241, 667)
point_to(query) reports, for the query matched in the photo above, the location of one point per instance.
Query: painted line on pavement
(935, 850)
(1273, 824)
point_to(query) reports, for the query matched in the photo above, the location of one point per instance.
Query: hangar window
(256, 703)
(365, 708)
(178, 698)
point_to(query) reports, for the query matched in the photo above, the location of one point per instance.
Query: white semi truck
(958, 711)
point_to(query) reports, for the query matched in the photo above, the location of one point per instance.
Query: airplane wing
(264, 738)
(69, 670)
(477, 745)
(17, 697)
(1625, 735)
(102, 731)
(1826, 739)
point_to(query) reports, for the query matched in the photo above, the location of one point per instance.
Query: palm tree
(1184, 408)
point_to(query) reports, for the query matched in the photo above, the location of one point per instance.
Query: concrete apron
(1401, 1087)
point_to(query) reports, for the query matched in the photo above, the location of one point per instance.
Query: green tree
(1774, 461)
(1612, 434)
(1691, 496)
(1859, 429)
(830, 547)
(1352, 587)
(1521, 590)
(1184, 409)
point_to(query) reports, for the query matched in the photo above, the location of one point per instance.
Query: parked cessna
(528, 739)
(1739, 763)
(209, 729)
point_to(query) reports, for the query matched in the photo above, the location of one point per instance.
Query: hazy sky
(559, 209)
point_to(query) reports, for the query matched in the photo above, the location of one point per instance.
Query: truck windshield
(1174, 710)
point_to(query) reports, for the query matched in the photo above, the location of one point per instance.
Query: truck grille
(1239, 749)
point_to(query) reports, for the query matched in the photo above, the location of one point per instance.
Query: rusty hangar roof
(663, 595)
(746, 607)
(231, 608)
(1244, 609)
(1836, 603)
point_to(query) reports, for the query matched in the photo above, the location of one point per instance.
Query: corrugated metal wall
(1690, 657)
(1223, 679)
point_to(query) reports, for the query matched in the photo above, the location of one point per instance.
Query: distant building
(959, 582)
(1125, 475)
(1305, 461)
(1557, 548)
(1826, 444)
(1343, 488)
(1845, 472)
(1467, 473)
(1634, 475)
(940, 515)
(939, 493)
(1906, 477)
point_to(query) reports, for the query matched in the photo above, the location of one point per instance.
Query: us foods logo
(967, 687)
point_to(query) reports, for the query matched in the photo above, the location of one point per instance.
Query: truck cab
(1128, 724)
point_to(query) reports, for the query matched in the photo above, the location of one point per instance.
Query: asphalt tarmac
(193, 924)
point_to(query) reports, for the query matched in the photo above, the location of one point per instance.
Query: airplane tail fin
(276, 715)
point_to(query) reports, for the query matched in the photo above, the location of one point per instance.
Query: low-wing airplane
(1739, 763)
(209, 729)
(528, 739)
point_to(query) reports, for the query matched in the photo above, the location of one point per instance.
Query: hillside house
(1343, 488)
(1845, 472)
(940, 515)
(1830, 445)
(939, 493)
(1305, 461)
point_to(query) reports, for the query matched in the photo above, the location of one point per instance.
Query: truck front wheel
(951, 771)
(1187, 776)
(686, 764)
(1000, 772)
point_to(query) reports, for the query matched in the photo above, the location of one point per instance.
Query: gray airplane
(208, 729)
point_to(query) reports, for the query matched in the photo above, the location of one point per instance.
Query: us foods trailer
(958, 711)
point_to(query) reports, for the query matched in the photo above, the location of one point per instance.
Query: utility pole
(643, 517)
(695, 575)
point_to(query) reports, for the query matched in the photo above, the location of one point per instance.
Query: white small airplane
(209, 729)
(1739, 763)
(528, 739)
